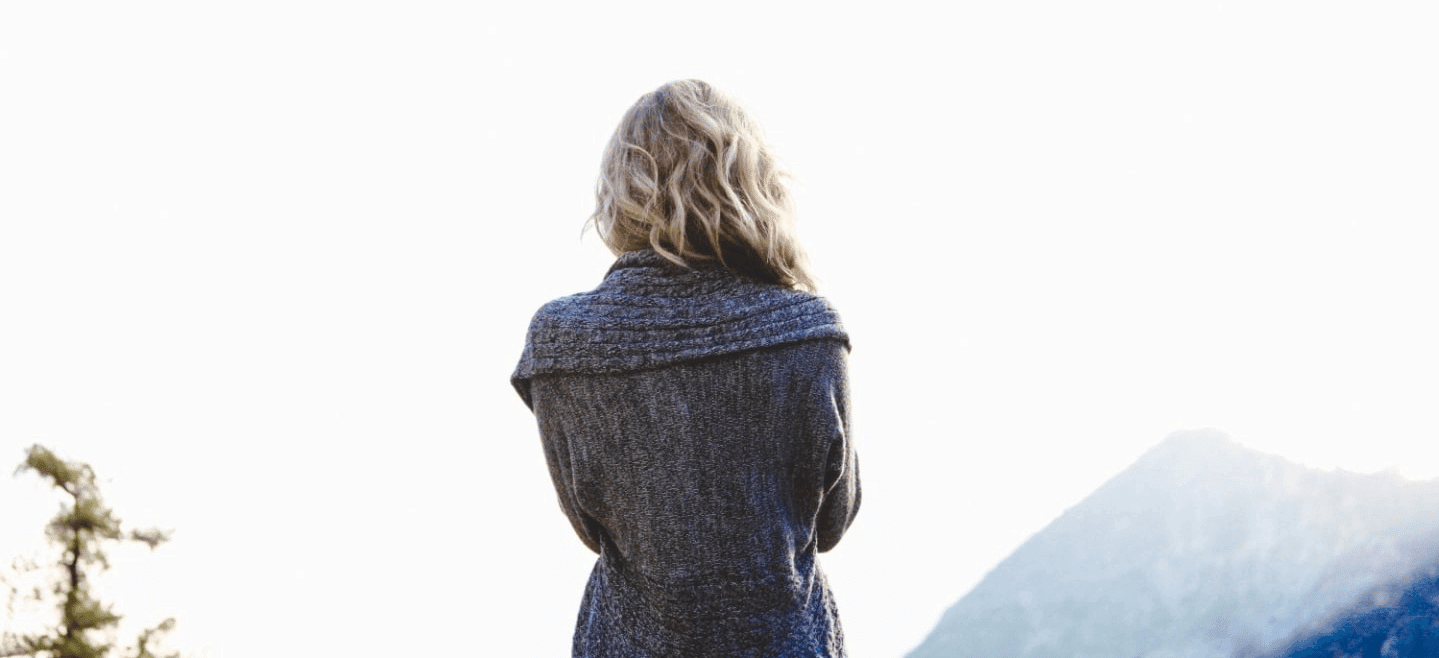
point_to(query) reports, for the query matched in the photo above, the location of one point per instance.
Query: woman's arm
(841, 476)
(557, 456)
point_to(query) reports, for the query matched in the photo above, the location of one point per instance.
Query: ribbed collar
(649, 312)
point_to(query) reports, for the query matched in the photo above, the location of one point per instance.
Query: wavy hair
(688, 174)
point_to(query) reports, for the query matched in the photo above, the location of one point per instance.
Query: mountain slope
(1400, 620)
(1200, 548)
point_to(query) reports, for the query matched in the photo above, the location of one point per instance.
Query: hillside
(1202, 547)
(1397, 620)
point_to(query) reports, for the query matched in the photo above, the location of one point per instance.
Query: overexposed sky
(267, 266)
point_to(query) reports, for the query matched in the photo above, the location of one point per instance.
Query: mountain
(1202, 547)
(1399, 620)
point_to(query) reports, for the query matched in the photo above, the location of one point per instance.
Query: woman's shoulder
(643, 286)
(631, 325)
(759, 308)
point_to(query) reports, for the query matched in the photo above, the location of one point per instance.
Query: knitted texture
(696, 428)
(650, 312)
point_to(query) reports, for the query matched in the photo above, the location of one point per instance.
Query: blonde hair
(687, 173)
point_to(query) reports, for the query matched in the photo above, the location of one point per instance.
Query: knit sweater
(696, 428)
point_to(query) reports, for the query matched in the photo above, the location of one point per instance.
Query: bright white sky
(267, 266)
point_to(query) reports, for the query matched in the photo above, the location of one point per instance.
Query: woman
(694, 408)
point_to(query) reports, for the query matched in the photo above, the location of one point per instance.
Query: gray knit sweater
(697, 431)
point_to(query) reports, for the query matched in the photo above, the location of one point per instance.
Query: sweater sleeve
(841, 475)
(557, 456)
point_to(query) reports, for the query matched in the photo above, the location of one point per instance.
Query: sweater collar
(641, 258)
(649, 313)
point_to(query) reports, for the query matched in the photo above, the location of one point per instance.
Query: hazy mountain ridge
(1200, 548)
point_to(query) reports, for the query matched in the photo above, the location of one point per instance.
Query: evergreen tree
(79, 530)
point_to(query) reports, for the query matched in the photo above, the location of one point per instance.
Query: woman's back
(709, 474)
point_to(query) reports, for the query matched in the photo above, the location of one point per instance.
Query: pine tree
(80, 529)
